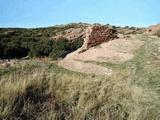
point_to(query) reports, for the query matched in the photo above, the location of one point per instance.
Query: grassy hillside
(41, 90)
(47, 41)
(38, 42)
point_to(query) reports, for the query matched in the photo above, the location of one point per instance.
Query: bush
(132, 28)
(126, 27)
(16, 43)
(40, 48)
(77, 43)
(158, 33)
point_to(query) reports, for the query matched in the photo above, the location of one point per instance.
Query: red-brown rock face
(97, 34)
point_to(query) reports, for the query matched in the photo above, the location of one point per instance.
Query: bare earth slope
(88, 68)
(116, 51)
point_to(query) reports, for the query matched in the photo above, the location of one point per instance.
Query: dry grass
(43, 95)
(38, 90)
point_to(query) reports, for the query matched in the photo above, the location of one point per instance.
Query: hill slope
(48, 41)
(112, 81)
(116, 52)
(39, 89)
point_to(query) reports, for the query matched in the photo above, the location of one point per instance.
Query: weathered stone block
(97, 34)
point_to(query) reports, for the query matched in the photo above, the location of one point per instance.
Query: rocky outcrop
(78, 31)
(97, 34)
(71, 34)
(153, 29)
(130, 30)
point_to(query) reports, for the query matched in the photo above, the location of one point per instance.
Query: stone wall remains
(97, 34)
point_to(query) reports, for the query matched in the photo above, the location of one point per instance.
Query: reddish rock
(97, 34)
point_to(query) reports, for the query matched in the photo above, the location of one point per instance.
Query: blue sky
(43, 13)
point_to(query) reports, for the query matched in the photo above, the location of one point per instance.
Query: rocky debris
(153, 29)
(8, 63)
(97, 34)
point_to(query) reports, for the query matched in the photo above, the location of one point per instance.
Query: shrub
(158, 33)
(16, 43)
(41, 48)
(132, 28)
(126, 27)
(62, 46)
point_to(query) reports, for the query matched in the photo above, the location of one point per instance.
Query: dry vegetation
(41, 90)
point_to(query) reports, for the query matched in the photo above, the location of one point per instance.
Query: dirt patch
(71, 34)
(116, 51)
(153, 36)
(88, 68)
(153, 29)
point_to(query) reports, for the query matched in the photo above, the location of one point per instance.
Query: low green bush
(17, 43)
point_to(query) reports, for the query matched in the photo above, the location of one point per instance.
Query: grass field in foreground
(40, 90)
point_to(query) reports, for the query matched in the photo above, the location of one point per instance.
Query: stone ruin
(97, 34)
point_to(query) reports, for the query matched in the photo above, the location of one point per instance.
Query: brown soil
(116, 51)
(153, 29)
(88, 68)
